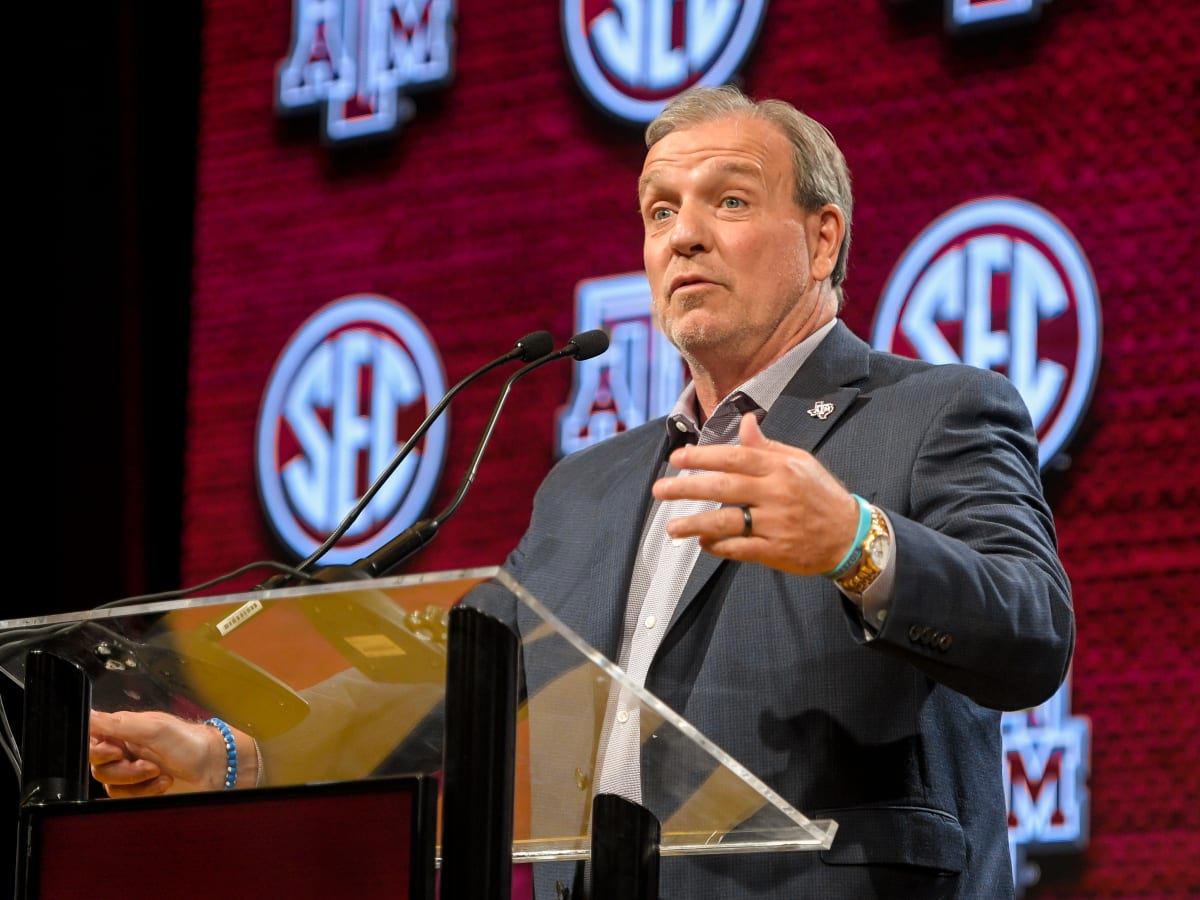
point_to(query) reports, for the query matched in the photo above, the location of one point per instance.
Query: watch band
(850, 560)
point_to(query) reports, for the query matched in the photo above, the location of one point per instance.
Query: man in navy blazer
(836, 563)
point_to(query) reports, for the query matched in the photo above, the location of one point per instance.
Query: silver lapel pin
(821, 410)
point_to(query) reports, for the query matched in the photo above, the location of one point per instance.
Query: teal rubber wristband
(855, 552)
(231, 761)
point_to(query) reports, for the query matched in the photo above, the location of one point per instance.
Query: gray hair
(819, 168)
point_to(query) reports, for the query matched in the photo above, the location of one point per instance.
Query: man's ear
(827, 229)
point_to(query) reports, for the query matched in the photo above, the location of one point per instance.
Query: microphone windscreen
(590, 343)
(535, 346)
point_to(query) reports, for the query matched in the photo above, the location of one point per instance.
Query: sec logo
(999, 283)
(632, 56)
(349, 388)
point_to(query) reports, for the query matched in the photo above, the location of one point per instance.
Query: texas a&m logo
(351, 385)
(638, 379)
(999, 283)
(1046, 765)
(357, 58)
(632, 56)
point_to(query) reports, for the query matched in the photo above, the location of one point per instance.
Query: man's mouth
(682, 282)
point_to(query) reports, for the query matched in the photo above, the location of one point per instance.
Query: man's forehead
(734, 146)
(715, 161)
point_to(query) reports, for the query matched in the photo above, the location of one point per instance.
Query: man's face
(727, 250)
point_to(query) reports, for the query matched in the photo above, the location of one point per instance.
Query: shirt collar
(759, 392)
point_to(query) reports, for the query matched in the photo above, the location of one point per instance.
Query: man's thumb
(749, 434)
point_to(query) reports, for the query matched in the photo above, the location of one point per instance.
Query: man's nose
(690, 232)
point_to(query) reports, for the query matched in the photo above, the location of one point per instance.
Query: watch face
(880, 550)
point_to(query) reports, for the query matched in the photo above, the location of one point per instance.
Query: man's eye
(660, 214)
(732, 203)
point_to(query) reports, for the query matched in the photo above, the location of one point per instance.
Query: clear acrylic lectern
(347, 681)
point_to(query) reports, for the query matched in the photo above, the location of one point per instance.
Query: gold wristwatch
(876, 551)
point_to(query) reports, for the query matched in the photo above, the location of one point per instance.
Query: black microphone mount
(582, 346)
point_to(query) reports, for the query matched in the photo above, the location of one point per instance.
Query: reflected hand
(138, 754)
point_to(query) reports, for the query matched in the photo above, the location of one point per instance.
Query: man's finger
(723, 458)
(159, 785)
(130, 771)
(144, 728)
(104, 751)
(719, 486)
(717, 524)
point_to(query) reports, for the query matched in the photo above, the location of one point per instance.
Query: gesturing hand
(803, 519)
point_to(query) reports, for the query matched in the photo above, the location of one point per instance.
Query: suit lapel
(821, 392)
(817, 396)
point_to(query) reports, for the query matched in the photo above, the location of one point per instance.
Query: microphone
(531, 347)
(582, 346)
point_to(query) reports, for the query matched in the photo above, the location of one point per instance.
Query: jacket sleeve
(980, 600)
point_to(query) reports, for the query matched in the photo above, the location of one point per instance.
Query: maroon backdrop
(509, 188)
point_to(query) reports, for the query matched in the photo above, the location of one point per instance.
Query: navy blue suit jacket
(896, 738)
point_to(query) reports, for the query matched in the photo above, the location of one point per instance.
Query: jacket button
(928, 635)
(914, 633)
(944, 642)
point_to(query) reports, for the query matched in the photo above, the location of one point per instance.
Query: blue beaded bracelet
(852, 555)
(230, 751)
